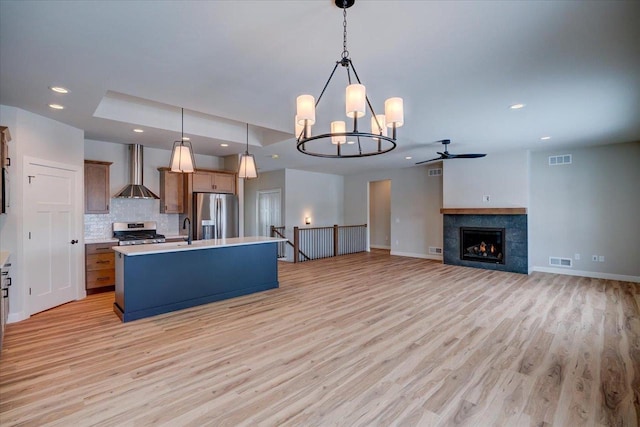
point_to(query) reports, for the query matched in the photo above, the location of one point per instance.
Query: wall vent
(435, 172)
(563, 159)
(560, 262)
(435, 251)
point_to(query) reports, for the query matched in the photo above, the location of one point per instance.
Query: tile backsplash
(99, 226)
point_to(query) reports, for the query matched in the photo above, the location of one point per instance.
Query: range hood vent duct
(135, 190)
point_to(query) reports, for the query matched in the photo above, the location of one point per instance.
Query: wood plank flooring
(358, 340)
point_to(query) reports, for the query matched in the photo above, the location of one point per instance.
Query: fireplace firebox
(482, 244)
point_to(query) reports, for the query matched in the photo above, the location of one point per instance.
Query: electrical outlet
(594, 258)
(601, 258)
(576, 257)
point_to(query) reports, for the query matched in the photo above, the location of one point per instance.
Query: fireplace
(482, 244)
(504, 228)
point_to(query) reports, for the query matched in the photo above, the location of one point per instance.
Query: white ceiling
(458, 66)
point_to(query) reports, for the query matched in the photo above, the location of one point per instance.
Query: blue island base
(156, 283)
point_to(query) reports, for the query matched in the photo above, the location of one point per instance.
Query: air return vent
(564, 159)
(560, 262)
(435, 172)
(435, 251)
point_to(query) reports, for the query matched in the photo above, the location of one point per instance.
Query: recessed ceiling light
(544, 138)
(224, 145)
(186, 138)
(275, 156)
(351, 142)
(59, 89)
(408, 158)
(516, 106)
(56, 106)
(138, 130)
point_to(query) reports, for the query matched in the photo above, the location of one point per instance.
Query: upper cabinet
(96, 187)
(171, 191)
(5, 162)
(213, 182)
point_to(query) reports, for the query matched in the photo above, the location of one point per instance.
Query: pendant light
(182, 159)
(247, 168)
(358, 143)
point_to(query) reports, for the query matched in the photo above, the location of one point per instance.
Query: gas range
(136, 233)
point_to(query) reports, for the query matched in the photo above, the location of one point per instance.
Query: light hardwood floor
(359, 340)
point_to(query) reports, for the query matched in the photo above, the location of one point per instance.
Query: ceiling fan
(446, 155)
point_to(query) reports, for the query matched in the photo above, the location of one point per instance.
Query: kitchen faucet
(184, 225)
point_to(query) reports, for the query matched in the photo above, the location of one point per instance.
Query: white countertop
(4, 257)
(158, 248)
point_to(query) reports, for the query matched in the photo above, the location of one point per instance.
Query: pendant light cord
(247, 151)
(182, 129)
(345, 52)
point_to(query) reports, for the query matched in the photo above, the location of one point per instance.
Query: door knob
(73, 242)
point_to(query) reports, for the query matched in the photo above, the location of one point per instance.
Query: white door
(50, 228)
(269, 211)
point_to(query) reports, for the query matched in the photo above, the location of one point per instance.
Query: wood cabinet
(100, 262)
(96, 187)
(214, 182)
(171, 191)
(5, 162)
(5, 137)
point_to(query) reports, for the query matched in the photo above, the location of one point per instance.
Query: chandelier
(359, 144)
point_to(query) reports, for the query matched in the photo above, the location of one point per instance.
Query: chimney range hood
(135, 189)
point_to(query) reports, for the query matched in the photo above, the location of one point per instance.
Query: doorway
(269, 211)
(52, 231)
(380, 214)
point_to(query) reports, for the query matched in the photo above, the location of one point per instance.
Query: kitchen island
(163, 277)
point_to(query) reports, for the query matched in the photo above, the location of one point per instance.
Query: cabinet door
(202, 181)
(96, 188)
(171, 192)
(224, 183)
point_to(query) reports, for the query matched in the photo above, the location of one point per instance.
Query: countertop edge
(4, 257)
(158, 248)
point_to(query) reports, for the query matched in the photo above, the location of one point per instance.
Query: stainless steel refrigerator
(215, 215)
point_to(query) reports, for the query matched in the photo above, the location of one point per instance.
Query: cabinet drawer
(100, 248)
(100, 278)
(100, 261)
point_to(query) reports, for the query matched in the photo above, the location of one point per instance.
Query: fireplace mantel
(483, 211)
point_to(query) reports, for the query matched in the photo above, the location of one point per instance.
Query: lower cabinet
(100, 273)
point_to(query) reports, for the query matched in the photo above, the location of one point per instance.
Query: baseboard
(416, 255)
(16, 317)
(592, 274)
(380, 247)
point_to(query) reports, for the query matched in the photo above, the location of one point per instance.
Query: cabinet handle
(8, 161)
(102, 249)
(8, 282)
(102, 279)
(6, 293)
(102, 262)
(73, 242)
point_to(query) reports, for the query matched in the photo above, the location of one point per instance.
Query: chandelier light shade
(247, 168)
(357, 103)
(182, 159)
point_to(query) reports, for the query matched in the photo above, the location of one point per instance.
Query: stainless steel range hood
(135, 189)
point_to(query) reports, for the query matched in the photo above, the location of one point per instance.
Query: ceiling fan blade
(465, 156)
(427, 161)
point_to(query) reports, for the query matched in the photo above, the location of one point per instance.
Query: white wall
(42, 138)
(416, 199)
(315, 195)
(589, 207)
(504, 177)
(380, 214)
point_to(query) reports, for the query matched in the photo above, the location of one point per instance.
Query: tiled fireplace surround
(513, 220)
